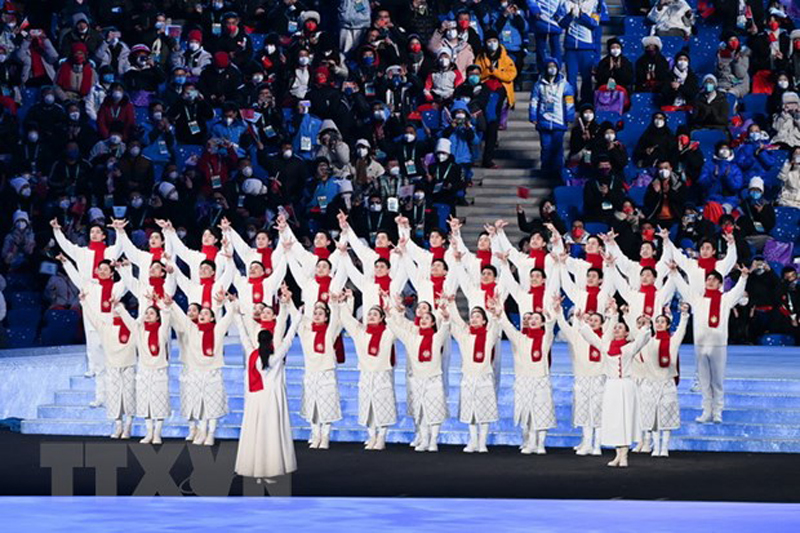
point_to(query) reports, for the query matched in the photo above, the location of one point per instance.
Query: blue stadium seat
(61, 326)
(258, 41)
(774, 339)
(595, 228)
(787, 224)
(732, 104)
(141, 114)
(637, 195)
(636, 28)
(709, 138)
(24, 299)
(184, 151)
(754, 105)
(25, 316)
(21, 337)
(704, 54)
(568, 196)
(673, 45)
(643, 103)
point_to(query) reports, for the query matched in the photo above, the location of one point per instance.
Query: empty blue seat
(258, 41)
(787, 224)
(673, 45)
(635, 28)
(774, 339)
(708, 139)
(432, 119)
(185, 151)
(754, 105)
(21, 299)
(21, 337)
(643, 102)
(637, 195)
(25, 316)
(732, 104)
(61, 326)
(568, 196)
(595, 228)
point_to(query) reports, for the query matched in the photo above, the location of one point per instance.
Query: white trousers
(349, 38)
(711, 361)
(95, 358)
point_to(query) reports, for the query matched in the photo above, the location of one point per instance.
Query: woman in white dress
(266, 448)
(478, 396)
(186, 384)
(659, 410)
(620, 418)
(151, 331)
(534, 411)
(377, 406)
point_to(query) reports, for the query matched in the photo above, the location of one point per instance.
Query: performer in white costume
(266, 448)
(659, 410)
(374, 342)
(211, 241)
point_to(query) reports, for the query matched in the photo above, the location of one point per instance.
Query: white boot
(656, 444)
(596, 449)
(530, 446)
(117, 433)
(615, 462)
(126, 431)
(665, 443)
(704, 418)
(585, 447)
(316, 435)
(148, 438)
(325, 438)
(200, 434)
(192, 431)
(157, 431)
(623, 457)
(212, 428)
(646, 446)
(370, 444)
(433, 446)
(526, 435)
(717, 417)
(640, 445)
(483, 437)
(380, 441)
(541, 435)
(472, 445)
(415, 442)
(424, 438)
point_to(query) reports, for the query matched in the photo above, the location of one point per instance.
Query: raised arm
(191, 257)
(735, 294)
(126, 246)
(246, 338)
(72, 250)
(725, 265)
(365, 254)
(286, 343)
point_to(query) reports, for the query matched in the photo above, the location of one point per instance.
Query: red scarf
(616, 347)
(591, 299)
(268, 325)
(257, 286)
(319, 336)
(649, 292)
(479, 348)
(210, 251)
(536, 335)
(266, 258)
(485, 257)
(709, 264)
(383, 283)
(99, 249)
(596, 260)
(255, 383)
(438, 286)
(207, 331)
(537, 298)
(488, 291)
(384, 252)
(438, 252)
(124, 332)
(157, 252)
(107, 287)
(649, 262)
(375, 331)
(425, 353)
(663, 348)
(64, 76)
(324, 283)
(208, 286)
(152, 329)
(714, 307)
(416, 321)
(594, 353)
(158, 286)
(322, 252)
(538, 257)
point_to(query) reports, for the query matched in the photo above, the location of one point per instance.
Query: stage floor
(360, 514)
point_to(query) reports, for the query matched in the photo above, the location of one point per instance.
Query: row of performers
(607, 361)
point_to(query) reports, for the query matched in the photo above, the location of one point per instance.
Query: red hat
(79, 47)
(222, 59)
(196, 35)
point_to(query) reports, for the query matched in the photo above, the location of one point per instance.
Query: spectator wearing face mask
(614, 66)
(787, 123)
(783, 84)
(789, 177)
(385, 39)
(288, 173)
(76, 76)
(234, 40)
(190, 116)
(770, 53)
(99, 92)
(710, 109)
(656, 143)
(39, 59)
(497, 66)
(114, 52)
(116, 110)
(83, 33)
(420, 19)
(789, 304)
(231, 127)
(545, 16)
(733, 66)
(745, 15)
(367, 169)
(757, 214)
(220, 83)
(462, 136)
(144, 76)
(721, 180)
(444, 181)
(442, 81)
(512, 29)
(652, 69)
(195, 58)
(137, 169)
(552, 109)
(485, 101)
(323, 192)
(33, 152)
(755, 155)
(19, 243)
(410, 152)
(547, 215)
(69, 173)
(607, 147)
(47, 115)
(763, 288)
(418, 63)
(689, 160)
(664, 198)
(682, 90)
(216, 165)
(158, 139)
(672, 18)
(603, 194)
(447, 38)
(580, 56)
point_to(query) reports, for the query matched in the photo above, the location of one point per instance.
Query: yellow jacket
(505, 71)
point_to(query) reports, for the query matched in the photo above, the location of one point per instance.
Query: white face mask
(25, 192)
(442, 157)
(724, 153)
(33, 136)
(304, 60)
(181, 233)
(157, 115)
(610, 137)
(258, 78)
(194, 47)
(493, 46)
(783, 84)
(658, 123)
(375, 208)
(115, 139)
(394, 171)
(228, 120)
(588, 117)
(135, 151)
(49, 99)
(452, 34)
(116, 95)
(270, 49)
(287, 154)
(3, 58)
(362, 152)
(444, 62)
(173, 175)
(664, 172)
(173, 197)
(616, 52)
(410, 137)
(797, 159)
(247, 172)
(552, 71)
(683, 65)
(137, 202)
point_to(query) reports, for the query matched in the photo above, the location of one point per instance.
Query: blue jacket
(552, 104)
(324, 193)
(308, 130)
(462, 139)
(232, 133)
(155, 142)
(721, 181)
(752, 164)
(545, 15)
(510, 35)
(581, 33)
(354, 14)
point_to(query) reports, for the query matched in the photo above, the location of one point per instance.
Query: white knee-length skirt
(120, 394)
(321, 396)
(152, 392)
(204, 394)
(376, 394)
(478, 402)
(430, 406)
(587, 405)
(533, 400)
(658, 405)
(620, 421)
